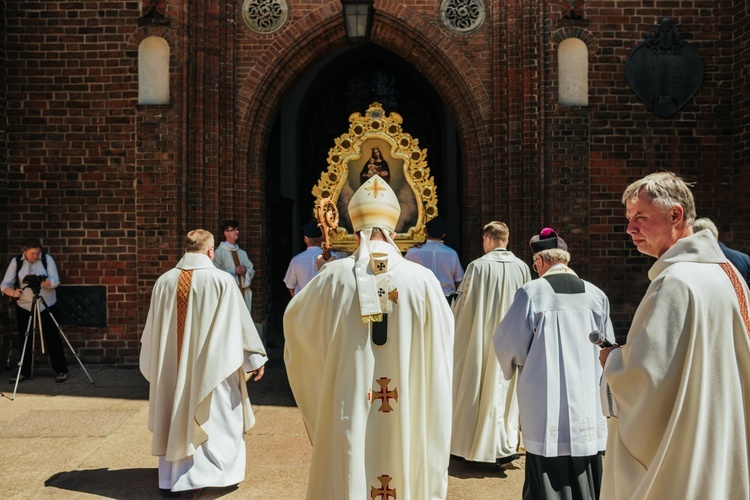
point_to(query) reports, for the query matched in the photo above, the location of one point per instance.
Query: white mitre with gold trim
(374, 205)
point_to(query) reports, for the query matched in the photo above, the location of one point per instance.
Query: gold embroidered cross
(376, 188)
(384, 492)
(385, 395)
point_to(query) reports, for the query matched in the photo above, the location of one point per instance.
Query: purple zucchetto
(547, 239)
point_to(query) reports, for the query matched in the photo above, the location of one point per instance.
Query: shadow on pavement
(124, 484)
(463, 469)
(109, 382)
(273, 389)
(127, 383)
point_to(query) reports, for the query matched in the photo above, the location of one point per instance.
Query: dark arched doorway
(316, 112)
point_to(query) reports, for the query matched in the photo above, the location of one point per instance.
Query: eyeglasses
(533, 266)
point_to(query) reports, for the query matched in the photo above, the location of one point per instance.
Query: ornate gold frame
(380, 131)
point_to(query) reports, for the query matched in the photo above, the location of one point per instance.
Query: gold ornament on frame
(374, 144)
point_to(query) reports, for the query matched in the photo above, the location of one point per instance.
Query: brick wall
(6, 329)
(736, 231)
(112, 186)
(71, 89)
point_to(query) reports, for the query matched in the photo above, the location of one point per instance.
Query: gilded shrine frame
(376, 143)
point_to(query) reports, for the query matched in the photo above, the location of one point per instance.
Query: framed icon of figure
(376, 143)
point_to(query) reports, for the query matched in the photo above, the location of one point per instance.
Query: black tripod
(34, 327)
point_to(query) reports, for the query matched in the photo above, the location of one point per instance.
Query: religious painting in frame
(376, 143)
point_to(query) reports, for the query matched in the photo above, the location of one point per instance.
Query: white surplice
(343, 383)
(545, 336)
(681, 384)
(485, 409)
(223, 260)
(199, 406)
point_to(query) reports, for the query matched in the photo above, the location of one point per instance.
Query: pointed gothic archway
(314, 113)
(264, 103)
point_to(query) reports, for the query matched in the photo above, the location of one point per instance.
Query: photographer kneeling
(30, 273)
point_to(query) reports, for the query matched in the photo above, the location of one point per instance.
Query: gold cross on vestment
(385, 395)
(384, 492)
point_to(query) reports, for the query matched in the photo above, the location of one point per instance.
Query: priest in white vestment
(197, 346)
(234, 260)
(545, 336)
(485, 407)
(679, 389)
(369, 358)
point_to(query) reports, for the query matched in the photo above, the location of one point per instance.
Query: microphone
(598, 338)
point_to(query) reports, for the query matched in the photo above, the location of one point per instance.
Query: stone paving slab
(78, 440)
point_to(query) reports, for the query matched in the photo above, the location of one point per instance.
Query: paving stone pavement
(76, 440)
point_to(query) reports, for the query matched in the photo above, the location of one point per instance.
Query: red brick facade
(112, 186)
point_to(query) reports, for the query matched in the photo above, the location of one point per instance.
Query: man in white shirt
(302, 266)
(34, 262)
(438, 257)
(234, 260)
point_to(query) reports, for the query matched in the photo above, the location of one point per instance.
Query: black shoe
(20, 379)
(508, 459)
(61, 377)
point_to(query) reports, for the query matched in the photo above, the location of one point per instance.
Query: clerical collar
(230, 246)
(560, 268)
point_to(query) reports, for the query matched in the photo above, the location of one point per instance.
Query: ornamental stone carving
(462, 16)
(265, 16)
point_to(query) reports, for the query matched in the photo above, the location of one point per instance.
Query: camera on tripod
(34, 281)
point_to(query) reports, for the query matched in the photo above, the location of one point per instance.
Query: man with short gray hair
(677, 392)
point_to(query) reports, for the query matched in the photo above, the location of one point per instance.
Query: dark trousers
(52, 341)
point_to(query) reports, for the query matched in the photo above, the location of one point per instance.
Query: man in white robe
(485, 407)
(234, 260)
(678, 390)
(545, 335)
(368, 354)
(198, 343)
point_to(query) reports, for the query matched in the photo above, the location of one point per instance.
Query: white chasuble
(485, 407)
(682, 385)
(378, 416)
(198, 400)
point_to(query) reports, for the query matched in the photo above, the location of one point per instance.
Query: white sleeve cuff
(253, 362)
